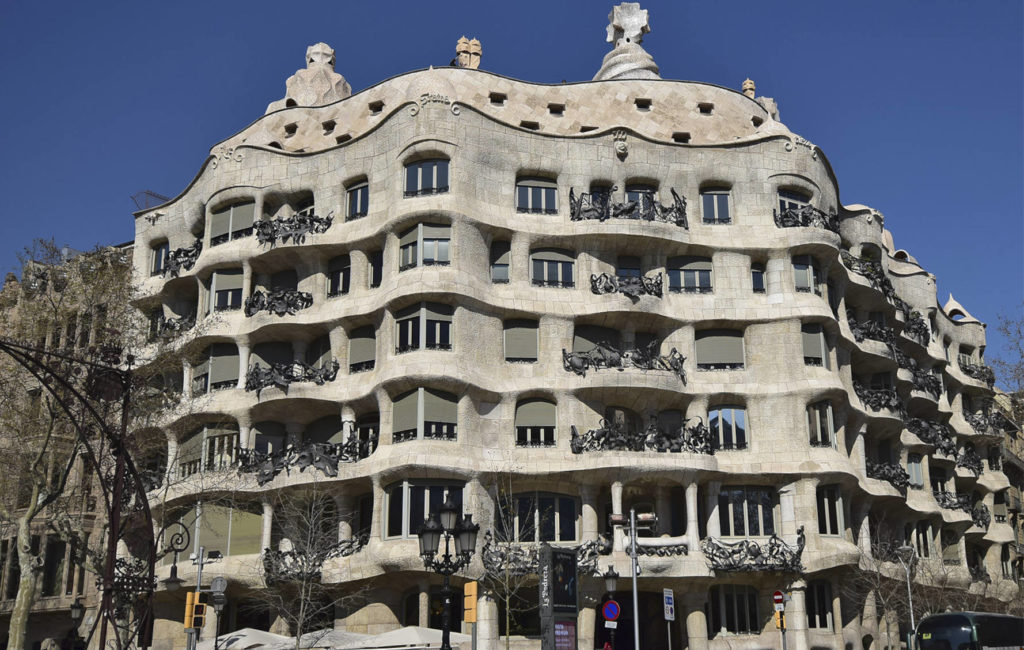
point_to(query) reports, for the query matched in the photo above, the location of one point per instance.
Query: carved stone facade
(447, 343)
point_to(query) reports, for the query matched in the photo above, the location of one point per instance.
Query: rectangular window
(226, 287)
(830, 510)
(923, 539)
(424, 325)
(806, 274)
(814, 345)
(719, 350)
(728, 426)
(757, 277)
(376, 268)
(426, 177)
(819, 605)
(339, 273)
(358, 201)
(426, 244)
(500, 255)
(715, 205)
(820, 424)
(643, 196)
(160, 252)
(690, 275)
(552, 268)
(362, 350)
(746, 511)
(792, 200)
(536, 196)
(540, 517)
(408, 322)
(521, 341)
(231, 222)
(915, 471)
(733, 610)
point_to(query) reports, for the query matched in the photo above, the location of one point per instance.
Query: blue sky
(918, 104)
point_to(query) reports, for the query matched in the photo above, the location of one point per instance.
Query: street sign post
(779, 600)
(670, 613)
(610, 611)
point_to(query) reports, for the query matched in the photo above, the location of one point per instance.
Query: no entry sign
(779, 599)
(611, 610)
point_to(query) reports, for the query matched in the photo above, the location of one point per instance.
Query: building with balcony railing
(780, 408)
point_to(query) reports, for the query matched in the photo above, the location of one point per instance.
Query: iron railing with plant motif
(971, 461)
(306, 564)
(748, 555)
(280, 302)
(604, 355)
(951, 501)
(508, 558)
(296, 227)
(692, 437)
(979, 574)
(598, 205)
(934, 433)
(282, 375)
(926, 381)
(322, 456)
(869, 330)
(875, 275)
(916, 328)
(978, 421)
(182, 259)
(891, 473)
(878, 399)
(981, 516)
(656, 549)
(630, 286)
(979, 372)
(170, 327)
(807, 216)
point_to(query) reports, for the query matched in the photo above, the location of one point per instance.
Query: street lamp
(177, 543)
(77, 613)
(446, 523)
(908, 566)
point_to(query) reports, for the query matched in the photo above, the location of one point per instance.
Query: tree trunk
(26, 586)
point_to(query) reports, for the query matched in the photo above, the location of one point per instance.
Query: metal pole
(632, 557)
(115, 523)
(910, 597)
(446, 620)
(668, 634)
(199, 589)
(782, 627)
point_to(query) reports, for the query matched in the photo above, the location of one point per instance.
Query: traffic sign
(779, 599)
(670, 605)
(611, 610)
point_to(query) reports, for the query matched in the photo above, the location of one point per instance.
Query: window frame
(820, 338)
(417, 187)
(559, 501)
(718, 432)
(819, 605)
(793, 199)
(357, 200)
(375, 261)
(232, 233)
(521, 323)
(546, 265)
(758, 269)
(421, 327)
(159, 253)
(532, 188)
(721, 194)
(728, 517)
(815, 413)
(726, 365)
(726, 602)
(501, 250)
(682, 279)
(813, 271)
(414, 253)
(407, 486)
(915, 469)
(232, 298)
(447, 431)
(339, 275)
(534, 435)
(829, 500)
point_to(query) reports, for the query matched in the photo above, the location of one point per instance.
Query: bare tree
(1010, 368)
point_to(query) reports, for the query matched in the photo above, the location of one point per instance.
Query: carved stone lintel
(605, 355)
(182, 259)
(629, 286)
(599, 206)
(807, 216)
(693, 437)
(278, 301)
(748, 555)
(295, 227)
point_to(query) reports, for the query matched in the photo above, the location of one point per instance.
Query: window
(318, 352)
(539, 517)
(950, 547)
(231, 222)
(643, 196)
(715, 205)
(915, 471)
(269, 354)
(424, 326)
(535, 423)
(551, 268)
(814, 344)
(807, 274)
(728, 426)
(376, 259)
(819, 605)
(425, 244)
(587, 337)
(746, 511)
(792, 200)
(425, 413)
(536, 196)
(966, 356)
(426, 177)
(922, 538)
(521, 341)
(409, 503)
(733, 610)
(500, 253)
(830, 510)
(159, 254)
(226, 289)
(358, 200)
(362, 349)
(820, 424)
(690, 274)
(217, 368)
(628, 266)
(1004, 562)
(269, 437)
(757, 277)
(339, 274)
(881, 381)
(719, 350)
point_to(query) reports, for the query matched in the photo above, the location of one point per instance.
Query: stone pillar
(617, 531)
(243, 364)
(590, 523)
(714, 525)
(186, 377)
(346, 514)
(171, 471)
(487, 620)
(864, 528)
(424, 602)
(359, 271)
(796, 616)
(268, 523)
(246, 280)
(696, 620)
(663, 509)
(585, 621)
(777, 273)
(244, 437)
(692, 522)
(519, 259)
(837, 611)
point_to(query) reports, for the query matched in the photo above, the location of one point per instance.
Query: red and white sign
(779, 599)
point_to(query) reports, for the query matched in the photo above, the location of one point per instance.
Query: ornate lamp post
(908, 565)
(177, 543)
(446, 523)
(77, 613)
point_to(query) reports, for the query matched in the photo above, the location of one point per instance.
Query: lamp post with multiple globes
(462, 531)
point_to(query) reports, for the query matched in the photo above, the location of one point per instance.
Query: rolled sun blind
(521, 339)
(325, 430)
(409, 236)
(246, 531)
(220, 222)
(268, 354)
(319, 352)
(719, 346)
(439, 406)
(535, 413)
(362, 346)
(438, 311)
(202, 368)
(191, 448)
(227, 279)
(242, 215)
(696, 264)
(553, 255)
(436, 231)
(812, 340)
(284, 280)
(223, 363)
(404, 415)
(587, 337)
(500, 252)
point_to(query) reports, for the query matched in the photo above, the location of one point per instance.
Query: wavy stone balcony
(630, 286)
(612, 436)
(604, 356)
(321, 456)
(748, 555)
(599, 206)
(807, 216)
(891, 473)
(280, 302)
(872, 271)
(295, 228)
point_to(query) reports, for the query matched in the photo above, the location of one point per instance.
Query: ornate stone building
(627, 293)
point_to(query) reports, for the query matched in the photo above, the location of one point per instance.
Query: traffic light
(780, 620)
(469, 593)
(199, 612)
(190, 601)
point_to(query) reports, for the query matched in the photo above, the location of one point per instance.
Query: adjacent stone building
(624, 294)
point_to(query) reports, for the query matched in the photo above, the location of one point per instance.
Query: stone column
(359, 271)
(244, 438)
(714, 525)
(170, 472)
(585, 620)
(424, 613)
(346, 514)
(519, 259)
(268, 523)
(243, 364)
(837, 611)
(696, 621)
(590, 523)
(617, 532)
(864, 528)
(796, 616)
(777, 272)
(246, 280)
(663, 509)
(486, 620)
(186, 377)
(692, 522)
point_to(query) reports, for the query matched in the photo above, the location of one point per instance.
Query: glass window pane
(417, 515)
(525, 512)
(436, 498)
(442, 174)
(566, 520)
(708, 206)
(395, 512)
(442, 250)
(411, 178)
(723, 513)
(546, 515)
(753, 515)
(522, 197)
(723, 207)
(538, 271)
(767, 513)
(550, 201)
(740, 427)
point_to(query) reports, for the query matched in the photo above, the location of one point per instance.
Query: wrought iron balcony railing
(892, 473)
(630, 286)
(981, 516)
(916, 328)
(807, 216)
(978, 371)
(283, 375)
(278, 301)
(599, 206)
(182, 259)
(502, 559)
(971, 461)
(319, 455)
(604, 355)
(951, 501)
(302, 565)
(693, 437)
(869, 330)
(877, 399)
(296, 228)
(171, 327)
(934, 433)
(748, 555)
(875, 275)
